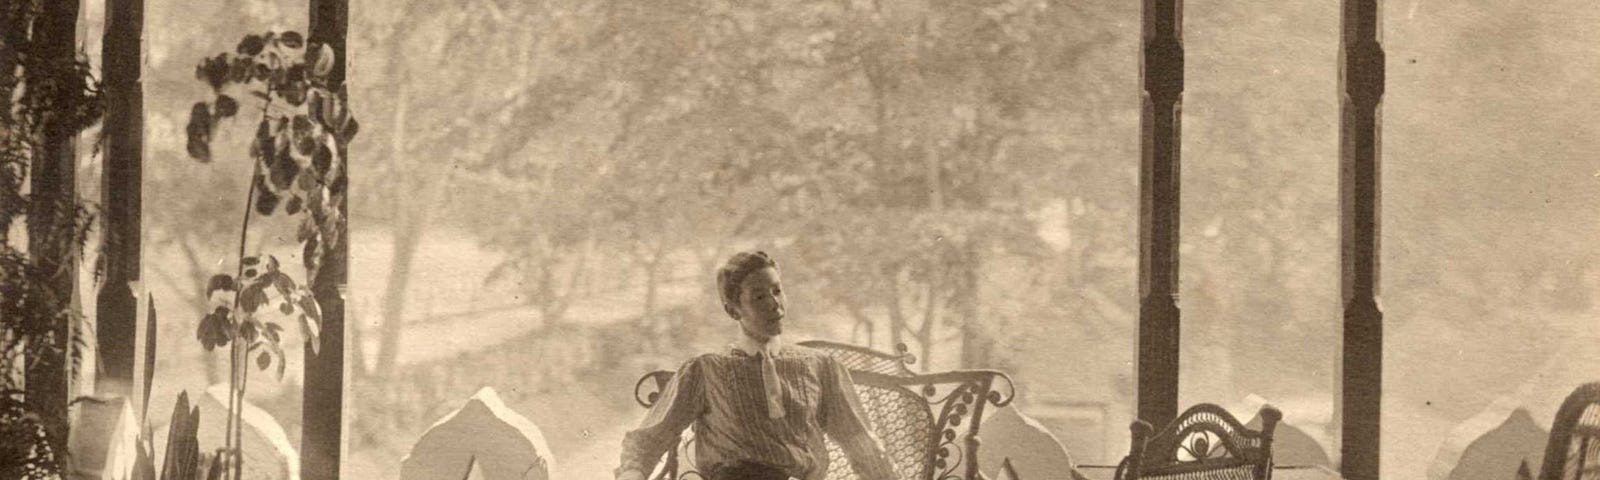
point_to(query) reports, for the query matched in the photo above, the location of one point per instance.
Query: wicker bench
(1573, 450)
(928, 423)
(1203, 443)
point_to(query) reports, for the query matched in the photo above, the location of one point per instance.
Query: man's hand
(630, 475)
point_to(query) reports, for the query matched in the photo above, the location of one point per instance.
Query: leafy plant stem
(238, 363)
(238, 417)
(233, 382)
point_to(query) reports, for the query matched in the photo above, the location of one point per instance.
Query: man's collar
(750, 346)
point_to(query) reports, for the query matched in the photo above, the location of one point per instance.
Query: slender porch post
(1161, 74)
(322, 443)
(1361, 82)
(52, 216)
(117, 305)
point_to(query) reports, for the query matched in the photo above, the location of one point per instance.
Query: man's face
(760, 307)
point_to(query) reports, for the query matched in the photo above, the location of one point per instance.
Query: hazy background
(543, 190)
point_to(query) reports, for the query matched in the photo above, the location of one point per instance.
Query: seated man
(759, 409)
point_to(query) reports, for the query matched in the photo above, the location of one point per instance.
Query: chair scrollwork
(647, 391)
(1204, 442)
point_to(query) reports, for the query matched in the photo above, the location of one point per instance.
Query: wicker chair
(928, 423)
(1204, 443)
(1573, 452)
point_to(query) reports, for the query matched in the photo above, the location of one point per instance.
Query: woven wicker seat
(1573, 452)
(1204, 443)
(925, 421)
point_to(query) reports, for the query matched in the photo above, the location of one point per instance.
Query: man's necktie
(771, 384)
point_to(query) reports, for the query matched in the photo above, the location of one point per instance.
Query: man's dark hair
(732, 273)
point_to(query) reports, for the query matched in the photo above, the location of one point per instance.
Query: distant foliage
(303, 129)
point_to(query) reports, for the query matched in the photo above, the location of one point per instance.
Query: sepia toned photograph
(799, 240)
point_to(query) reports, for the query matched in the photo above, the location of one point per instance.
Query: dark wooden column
(117, 305)
(322, 406)
(1161, 72)
(1361, 82)
(53, 202)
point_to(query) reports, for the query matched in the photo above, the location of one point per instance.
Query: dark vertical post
(52, 214)
(322, 406)
(1161, 71)
(1361, 90)
(117, 305)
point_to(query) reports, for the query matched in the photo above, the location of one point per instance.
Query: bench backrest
(928, 423)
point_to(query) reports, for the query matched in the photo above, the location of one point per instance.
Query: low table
(1102, 472)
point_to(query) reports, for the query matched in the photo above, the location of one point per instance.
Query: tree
(428, 151)
(947, 165)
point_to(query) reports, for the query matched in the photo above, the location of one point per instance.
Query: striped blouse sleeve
(846, 422)
(678, 407)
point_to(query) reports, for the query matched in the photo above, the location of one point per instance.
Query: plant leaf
(324, 61)
(266, 200)
(308, 228)
(252, 44)
(311, 321)
(283, 169)
(301, 126)
(292, 39)
(199, 150)
(226, 106)
(351, 126)
(322, 160)
(214, 329)
(218, 464)
(248, 331)
(306, 145)
(251, 272)
(261, 147)
(336, 188)
(219, 281)
(308, 304)
(240, 70)
(294, 93)
(273, 332)
(277, 351)
(252, 298)
(199, 132)
(315, 103)
(264, 360)
(312, 332)
(213, 71)
(311, 255)
(285, 284)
